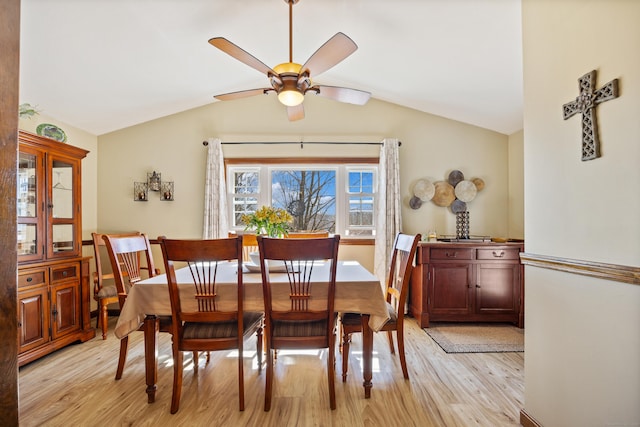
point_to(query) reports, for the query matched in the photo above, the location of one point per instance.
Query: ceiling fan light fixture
(290, 97)
(288, 67)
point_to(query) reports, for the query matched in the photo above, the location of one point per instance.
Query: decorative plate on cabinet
(51, 131)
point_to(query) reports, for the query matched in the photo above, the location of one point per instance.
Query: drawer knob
(29, 279)
(452, 254)
(498, 254)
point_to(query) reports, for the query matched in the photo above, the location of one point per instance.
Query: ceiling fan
(291, 81)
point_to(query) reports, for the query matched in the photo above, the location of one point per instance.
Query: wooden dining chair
(402, 257)
(104, 287)
(130, 256)
(306, 234)
(300, 315)
(249, 244)
(202, 324)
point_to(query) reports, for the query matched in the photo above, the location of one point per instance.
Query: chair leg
(346, 343)
(331, 372)
(269, 380)
(98, 316)
(124, 343)
(177, 380)
(104, 322)
(391, 347)
(259, 349)
(196, 360)
(403, 360)
(241, 375)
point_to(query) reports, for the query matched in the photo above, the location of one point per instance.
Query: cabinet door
(449, 289)
(498, 288)
(63, 207)
(30, 204)
(65, 308)
(33, 318)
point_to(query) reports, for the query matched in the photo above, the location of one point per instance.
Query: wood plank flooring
(75, 386)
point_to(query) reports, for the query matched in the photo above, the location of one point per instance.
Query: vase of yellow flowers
(272, 222)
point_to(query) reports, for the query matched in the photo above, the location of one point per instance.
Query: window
(337, 197)
(360, 199)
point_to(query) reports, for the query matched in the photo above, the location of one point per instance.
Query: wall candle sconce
(153, 179)
(140, 191)
(154, 183)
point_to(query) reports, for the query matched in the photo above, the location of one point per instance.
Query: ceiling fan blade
(336, 49)
(295, 113)
(241, 94)
(342, 94)
(240, 54)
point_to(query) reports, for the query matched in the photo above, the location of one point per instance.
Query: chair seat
(355, 319)
(287, 328)
(107, 291)
(199, 330)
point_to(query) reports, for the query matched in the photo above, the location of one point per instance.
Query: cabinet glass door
(61, 208)
(29, 205)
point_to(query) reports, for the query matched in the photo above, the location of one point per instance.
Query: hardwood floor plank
(76, 386)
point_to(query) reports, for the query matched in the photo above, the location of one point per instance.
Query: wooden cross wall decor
(585, 103)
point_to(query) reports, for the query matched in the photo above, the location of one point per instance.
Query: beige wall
(581, 337)
(431, 148)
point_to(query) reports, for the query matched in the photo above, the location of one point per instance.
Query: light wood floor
(75, 387)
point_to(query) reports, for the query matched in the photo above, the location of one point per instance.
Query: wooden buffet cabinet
(468, 282)
(53, 276)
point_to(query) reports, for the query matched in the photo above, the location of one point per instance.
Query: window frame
(342, 165)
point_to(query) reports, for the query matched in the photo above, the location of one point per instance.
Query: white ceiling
(102, 65)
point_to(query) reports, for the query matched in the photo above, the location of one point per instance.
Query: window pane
(27, 239)
(27, 193)
(246, 189)
(308, 195)
(241, 206)
(63, 237)
(246, 182)
(62, 191)
(361, 211)
(360, 182)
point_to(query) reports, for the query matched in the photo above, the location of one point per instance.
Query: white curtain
(388, 214)
(216, 223)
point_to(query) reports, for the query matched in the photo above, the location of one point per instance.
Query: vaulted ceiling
(102, 65)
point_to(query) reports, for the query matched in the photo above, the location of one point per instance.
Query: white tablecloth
(357, 291)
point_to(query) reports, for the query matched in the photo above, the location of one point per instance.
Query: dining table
(357, 291)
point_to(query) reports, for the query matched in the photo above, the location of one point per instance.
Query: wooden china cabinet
(468, 282)
(53, 277)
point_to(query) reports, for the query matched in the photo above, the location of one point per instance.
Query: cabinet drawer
(499, 254)
(452, 253)
(32, 278)
(64, 272)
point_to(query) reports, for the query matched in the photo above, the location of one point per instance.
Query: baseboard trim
(527, 420)
(614, 272)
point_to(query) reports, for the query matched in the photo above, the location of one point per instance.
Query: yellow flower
(274, 222)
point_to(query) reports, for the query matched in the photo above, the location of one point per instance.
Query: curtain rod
(205, 143)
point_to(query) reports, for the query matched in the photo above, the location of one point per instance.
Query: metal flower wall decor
(455, 192)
